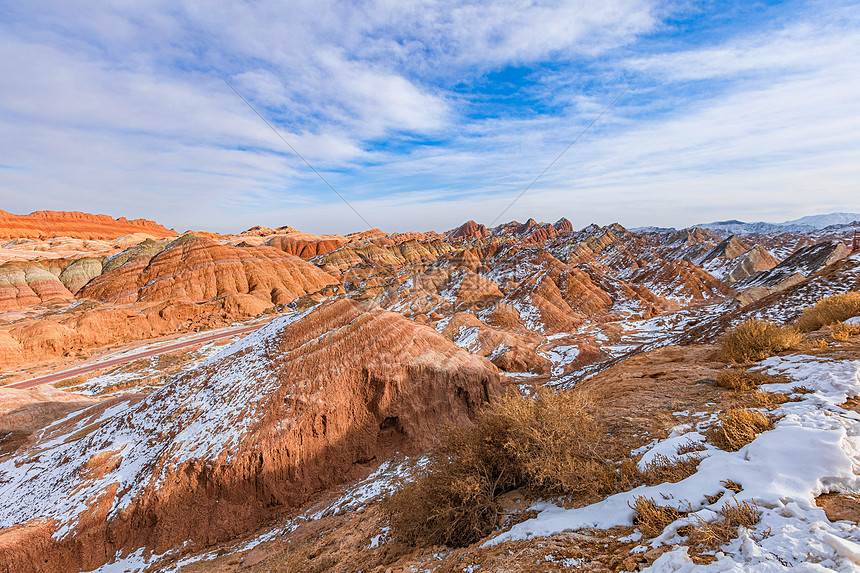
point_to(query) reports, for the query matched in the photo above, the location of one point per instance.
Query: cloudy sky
(425, 113)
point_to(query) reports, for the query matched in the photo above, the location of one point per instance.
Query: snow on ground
(560, 356)
(388, 478)
(204, 420)
(132, 563)
(467, 338)
(796, 299)
(813, 449)
(122, 375)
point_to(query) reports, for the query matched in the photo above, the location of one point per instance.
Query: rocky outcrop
(542, 233)
(305, 246)
(41, 224)
(11, 352)
(511, 352)
(80, 273)
(733, 260)
(805, 262)
(198, 270)
(22, 412)
(563, 226)
(301, 405)
(693, 236)
(755, 260)
(469, 230)
(728, 249)
(25, 283)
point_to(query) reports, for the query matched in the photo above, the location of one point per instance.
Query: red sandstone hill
(42, 224)
(194, 269)
(311, 400)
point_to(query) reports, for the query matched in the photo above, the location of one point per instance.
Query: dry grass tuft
(759, 399)
(690, 446)
(711, 535)
(829, 310)
(802, 390)
(743, 380)
(664, 469)
(732, 485)
(738, 427)
(843, 332)
(549, 443)
(746, 383)
(755, 339)
(650, 518)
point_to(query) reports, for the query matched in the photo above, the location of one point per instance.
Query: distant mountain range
(804, 224)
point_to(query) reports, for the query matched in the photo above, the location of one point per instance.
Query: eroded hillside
(277, 450)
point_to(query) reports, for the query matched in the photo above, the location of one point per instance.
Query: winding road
(87, 368)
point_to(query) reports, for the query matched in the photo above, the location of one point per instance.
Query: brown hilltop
(297, 409)
(469, 230)
(41, 224)
(563, 226)
(306, 246)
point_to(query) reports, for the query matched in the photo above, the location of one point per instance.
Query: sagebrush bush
(690, 446)
(843, 332)
(743, 380)
(756, 339)
(759, 399)
(711, 535)
(549, 443)
(737, 428)
(651, 519)
(662, 469)
(830, 310)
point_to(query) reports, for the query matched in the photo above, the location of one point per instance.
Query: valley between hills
(528, 397)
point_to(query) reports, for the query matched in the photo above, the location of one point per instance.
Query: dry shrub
(732, 485)
(843, 332)
(711, 535)
(746, 382)
(650, 518)
(759, 399)
(664, 469)
(738, 427)
(742, 380)
(627, 475)
(548, 443)
(690, 446)
(755, 339)
(829, 310)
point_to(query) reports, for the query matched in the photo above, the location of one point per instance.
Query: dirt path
(58, 376)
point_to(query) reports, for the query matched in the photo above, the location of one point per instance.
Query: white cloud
(121, 108)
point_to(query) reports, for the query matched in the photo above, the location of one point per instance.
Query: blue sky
(424, 114)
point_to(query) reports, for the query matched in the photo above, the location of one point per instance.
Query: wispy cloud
(430, 112)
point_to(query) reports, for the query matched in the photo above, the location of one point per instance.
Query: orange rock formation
(301, 406)
(75, 224)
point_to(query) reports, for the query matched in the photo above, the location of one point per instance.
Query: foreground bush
(843, 332)
(549, 443)
(743, 380)
(662, 469)
(737, 428)
(756, 339)
(708, 536)
(830, 310)
(651, 519)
